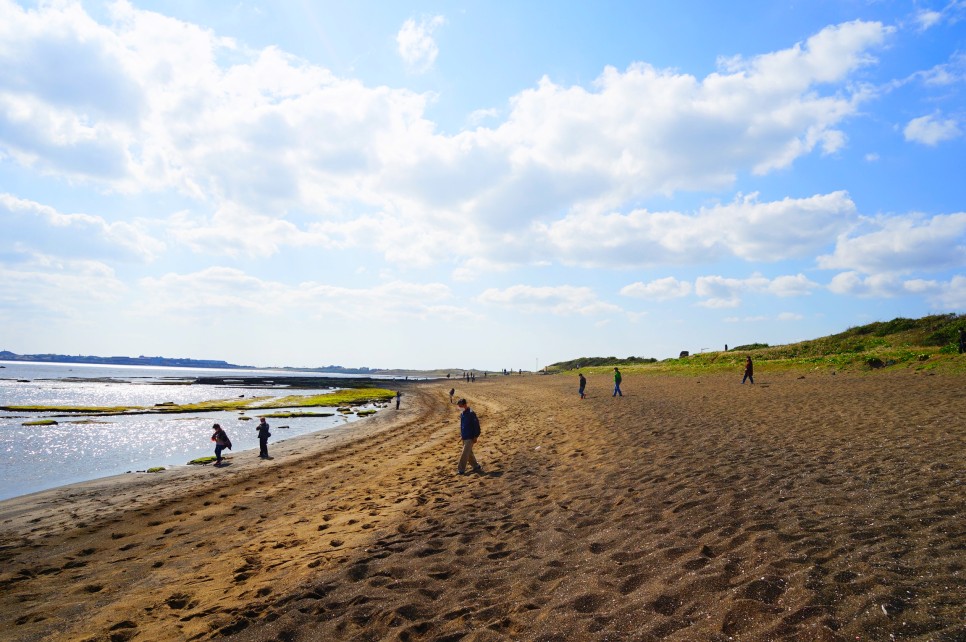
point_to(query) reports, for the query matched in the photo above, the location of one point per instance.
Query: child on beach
(749, 372)
(220, 437)
(617, 383)
(583, 384)
(452, 391)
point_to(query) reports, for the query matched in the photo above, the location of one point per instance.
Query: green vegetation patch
(156, 469)
(365, 413)
(40, 422)
(287, 415)
(201, 461)
(350, 397)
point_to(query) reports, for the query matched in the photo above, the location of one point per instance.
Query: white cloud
(951, 295)
(927, 18)
(872, 286)
(946, 74)
(659, 289)
(929, 130)
(722, 292)
(81, 234)
(416, 44)
(951, 13)
(943, 296)
(559, 300)
(746, 229)
(257, 135)
(898, 244)
(229, 290)
(59, 286)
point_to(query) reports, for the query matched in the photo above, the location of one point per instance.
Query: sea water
(80, 447)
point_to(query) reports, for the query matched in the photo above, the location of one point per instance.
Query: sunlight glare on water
(80, 447)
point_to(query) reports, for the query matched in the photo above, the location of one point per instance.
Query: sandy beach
(807, 507)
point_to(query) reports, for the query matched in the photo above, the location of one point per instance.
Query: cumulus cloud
(746, 229)
(230, 290)
(723, 292)
(941, 295)
(417, 47)
(898, 244)
(59, 286)
(875, 285)
(659, 289)
(930, 130)
(258, 135)
(561, 300)
(80, 234)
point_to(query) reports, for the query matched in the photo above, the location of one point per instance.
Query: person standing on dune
(617, 383)
(583, 384)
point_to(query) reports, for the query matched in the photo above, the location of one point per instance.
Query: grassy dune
(929, 343)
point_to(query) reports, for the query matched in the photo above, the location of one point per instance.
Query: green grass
(926, 344)
(288, 415)
(201, 461)
(350, 397)
(365, 413)
(156, 469)
(40, 422)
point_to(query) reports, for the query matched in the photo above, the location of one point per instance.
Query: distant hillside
(927, 342)
(118, 361)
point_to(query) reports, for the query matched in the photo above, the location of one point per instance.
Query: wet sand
(823, 507)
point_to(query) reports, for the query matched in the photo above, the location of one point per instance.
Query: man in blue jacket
(469, 433)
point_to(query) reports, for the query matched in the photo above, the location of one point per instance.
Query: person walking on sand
(398, 398)
(962, 340)
(749, 371)
(452, 391)
(583, 384)
(263, 435)
(220, 437)
(469, 433)
(617, 383)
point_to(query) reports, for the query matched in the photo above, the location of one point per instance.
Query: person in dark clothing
(469, 433)
(398, 398)
(583, 384)
(452, 391)
(263, 435)
(962, 340)
(220, 437)
(749, 371)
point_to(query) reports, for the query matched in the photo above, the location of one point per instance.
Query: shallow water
(80, 448)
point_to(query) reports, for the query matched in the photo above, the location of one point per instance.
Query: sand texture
(816, 507)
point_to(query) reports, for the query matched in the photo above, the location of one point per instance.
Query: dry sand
(693, 508)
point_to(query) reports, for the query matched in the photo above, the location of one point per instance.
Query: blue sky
(474, 184)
